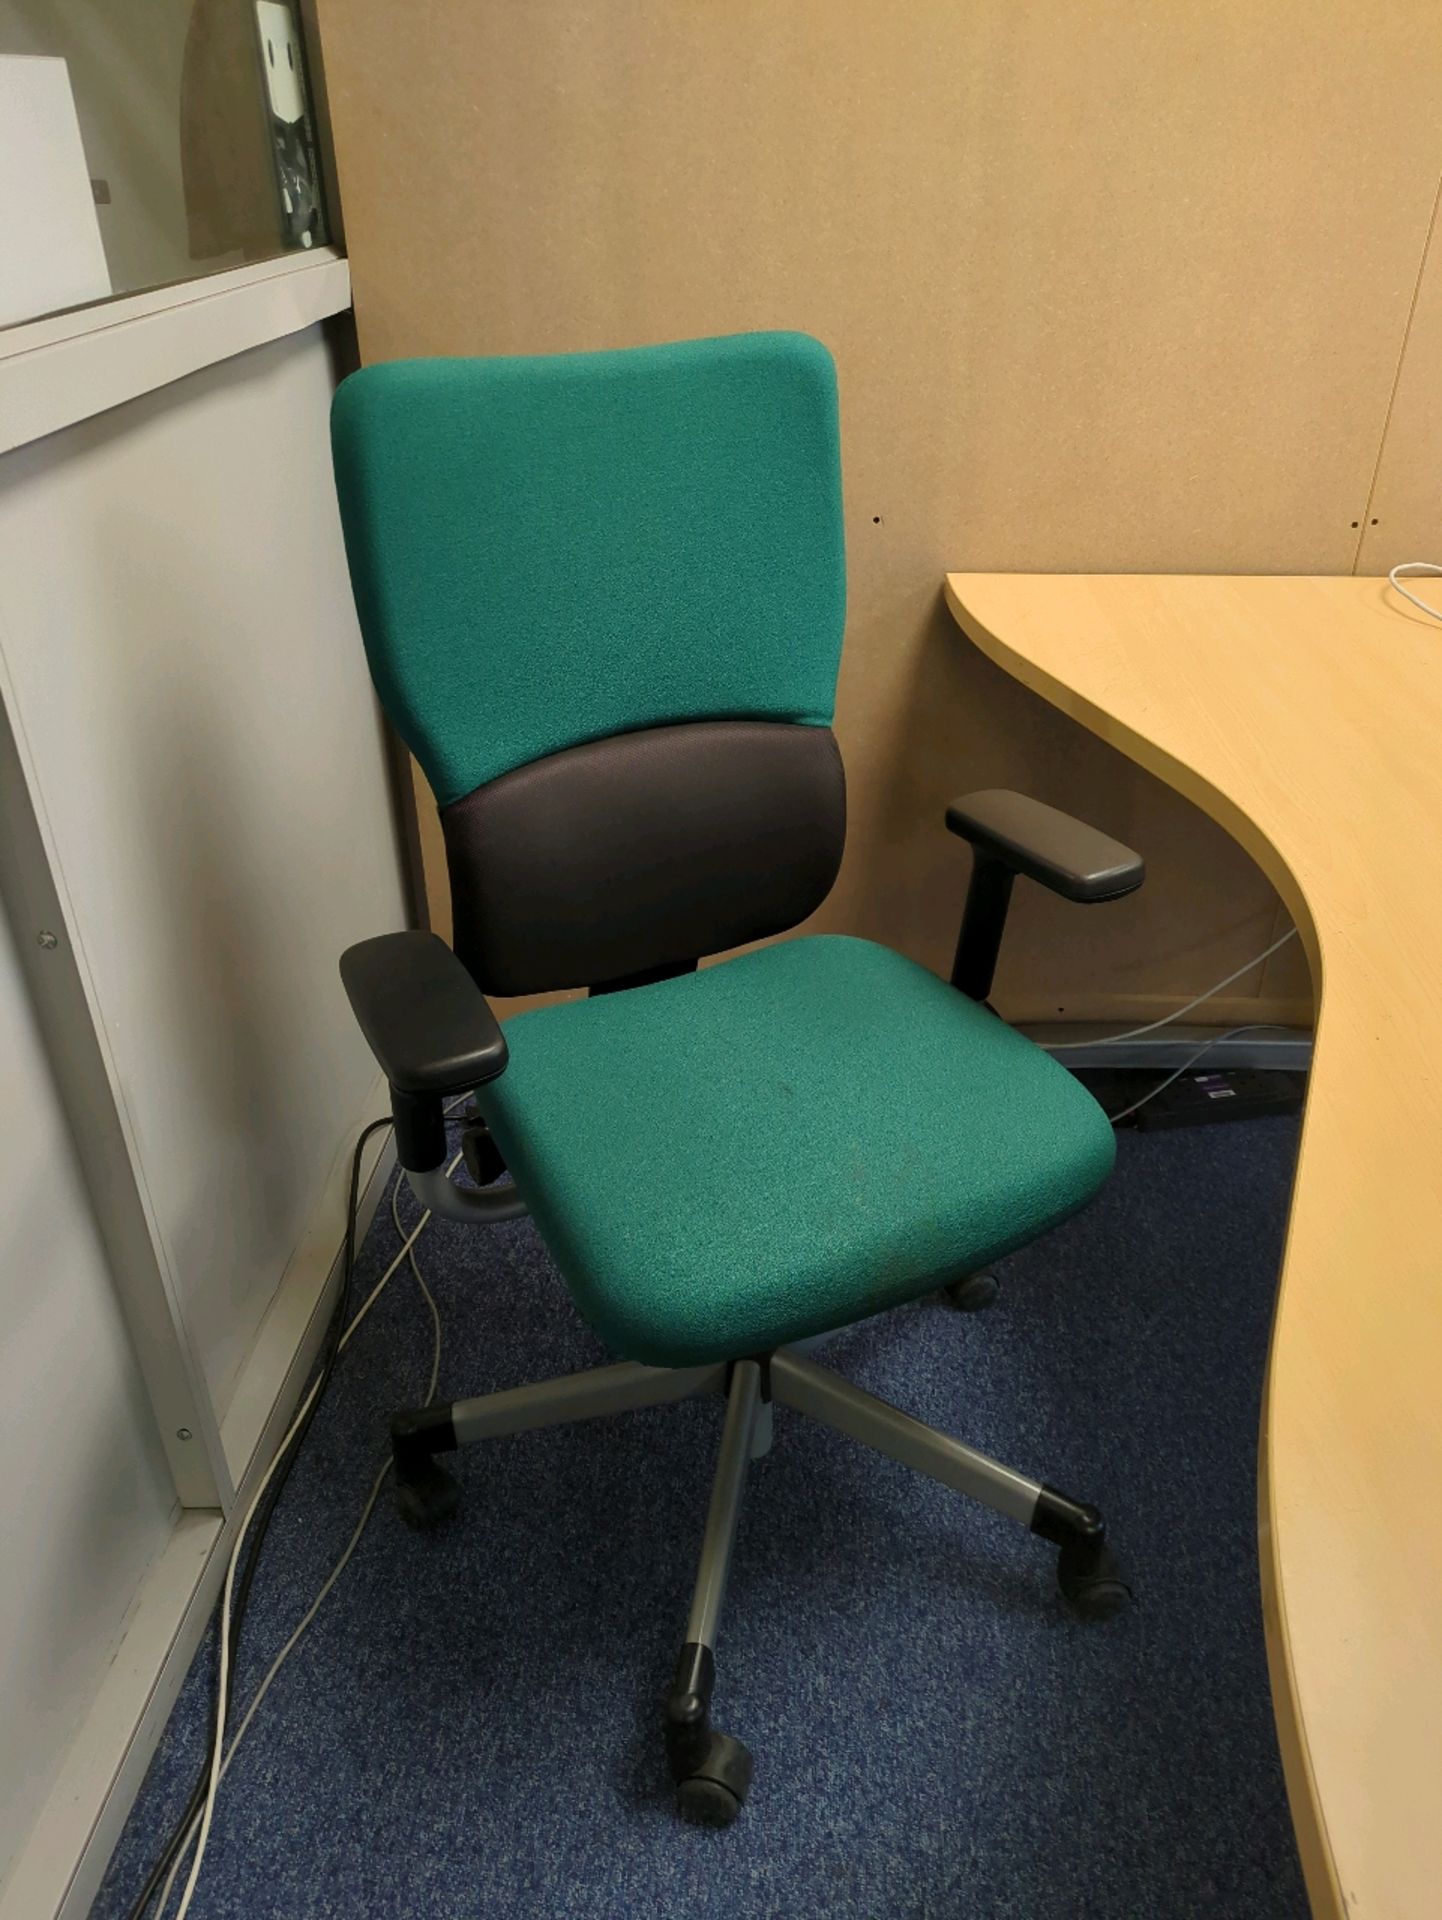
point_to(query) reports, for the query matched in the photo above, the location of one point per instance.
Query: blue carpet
(471, 1727)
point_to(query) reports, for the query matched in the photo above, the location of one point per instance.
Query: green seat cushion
(783, 1144)
(554, 548)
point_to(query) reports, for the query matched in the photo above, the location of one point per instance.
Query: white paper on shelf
(51, 254)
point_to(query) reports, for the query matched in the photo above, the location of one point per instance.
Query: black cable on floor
(262, 1522)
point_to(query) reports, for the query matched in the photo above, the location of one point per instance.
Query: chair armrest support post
(983, 921)
(1010, 833)
(430, 1028)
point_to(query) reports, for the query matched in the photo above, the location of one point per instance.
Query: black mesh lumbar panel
(645, 849)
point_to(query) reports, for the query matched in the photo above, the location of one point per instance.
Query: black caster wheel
(715, 1793)
(426, 1497)
(1093, 1584)
(976, 1291)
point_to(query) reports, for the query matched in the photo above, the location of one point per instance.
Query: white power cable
(1252, 1026)
(366, 1511)
(223, 1681)
(221, 1763)
(1135, 1033)
(260, 1692)
(1428, 567)
(340, 1566)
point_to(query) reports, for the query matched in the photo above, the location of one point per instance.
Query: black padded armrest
(1064, 854)
(427, 1022)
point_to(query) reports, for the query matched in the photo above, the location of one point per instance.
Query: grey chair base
(712, 1770)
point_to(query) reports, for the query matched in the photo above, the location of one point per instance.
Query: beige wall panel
(1109, 289)
(433, 856)
(1404, 517)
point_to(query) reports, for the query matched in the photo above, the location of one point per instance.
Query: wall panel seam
(1397, 375)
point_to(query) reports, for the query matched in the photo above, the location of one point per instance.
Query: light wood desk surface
(1305, 715)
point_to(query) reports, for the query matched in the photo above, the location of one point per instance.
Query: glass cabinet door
(144, 142)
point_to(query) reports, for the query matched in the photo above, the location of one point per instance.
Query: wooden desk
(1306, 716)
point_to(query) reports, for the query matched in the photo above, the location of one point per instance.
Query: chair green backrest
(548, 550)
(603, 597)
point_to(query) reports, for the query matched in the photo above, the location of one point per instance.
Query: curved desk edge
(1147, 753)
(1318, 1866)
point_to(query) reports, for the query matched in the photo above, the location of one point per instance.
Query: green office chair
(602, 598)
